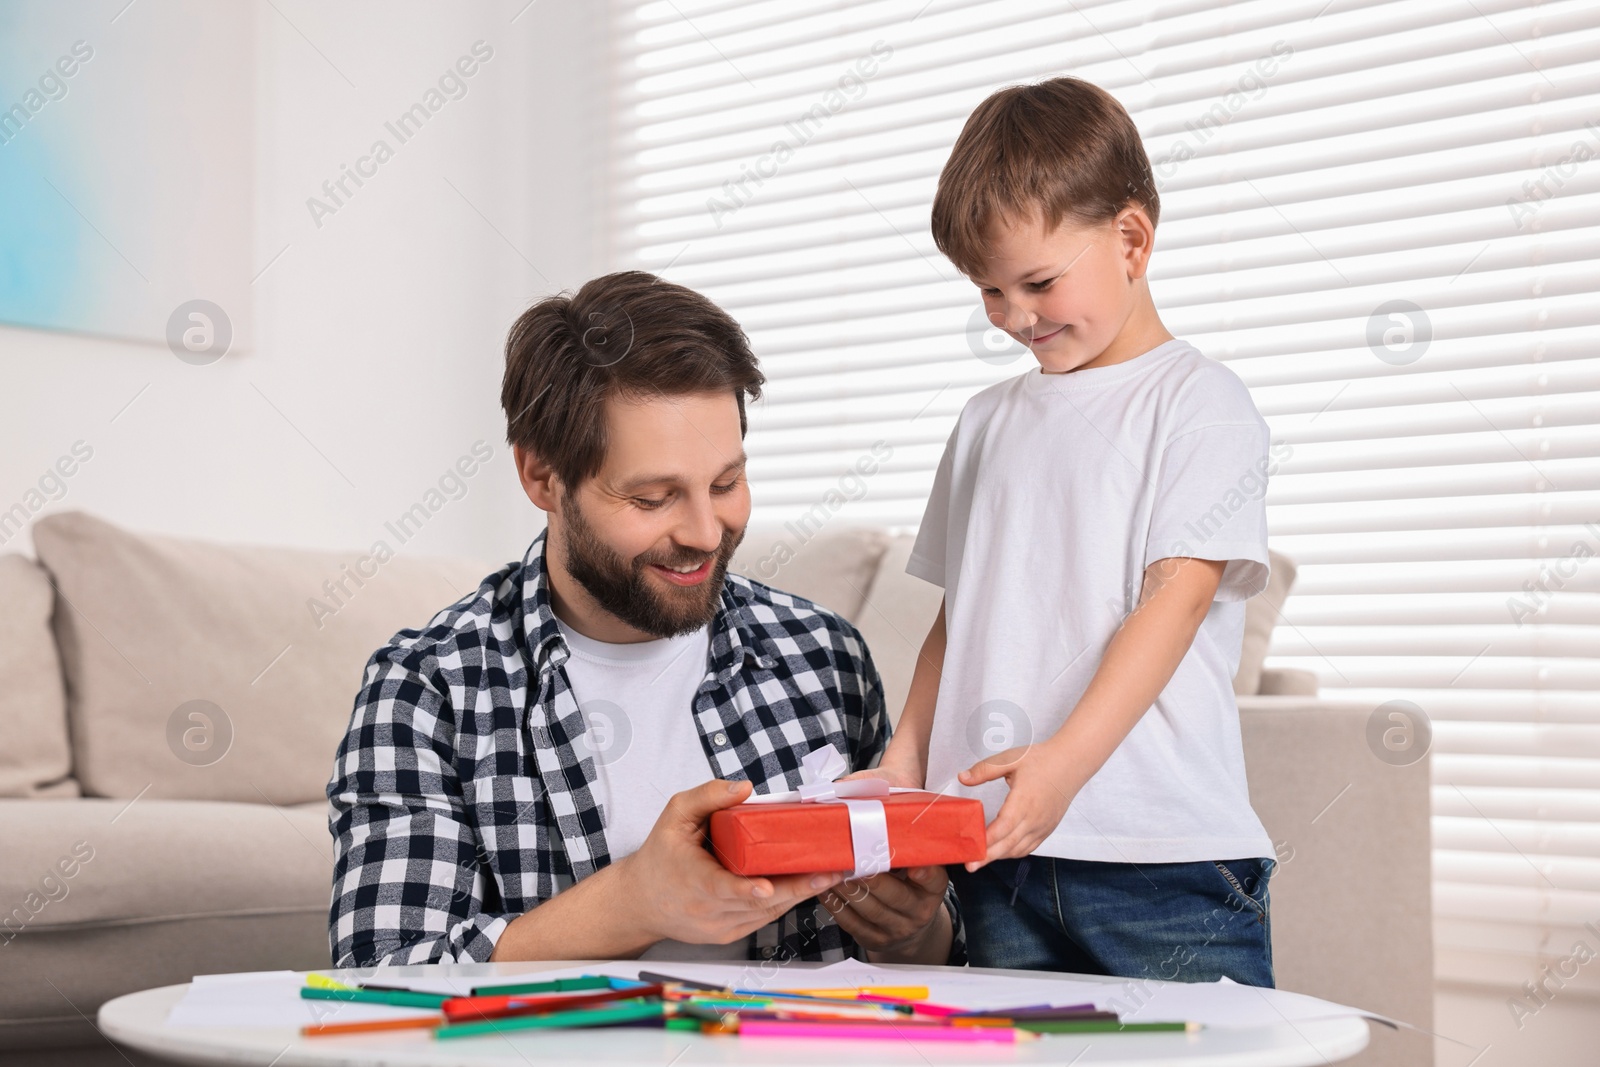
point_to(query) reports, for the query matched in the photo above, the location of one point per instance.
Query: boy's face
(1066, 293)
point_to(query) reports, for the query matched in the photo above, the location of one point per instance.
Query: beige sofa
(170, 710)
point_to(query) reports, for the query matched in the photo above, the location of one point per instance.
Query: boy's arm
(905, 763)
(1138, 663)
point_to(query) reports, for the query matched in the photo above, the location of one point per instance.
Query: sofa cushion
(1261, 614)
(222, 672)
(35, 758)
(105, 897)
(831, 567)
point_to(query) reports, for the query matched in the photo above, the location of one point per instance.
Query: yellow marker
(902, 992)
(322, 981)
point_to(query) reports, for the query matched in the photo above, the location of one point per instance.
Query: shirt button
(720, 739)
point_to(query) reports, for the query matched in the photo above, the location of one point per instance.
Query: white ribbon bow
(869, 826)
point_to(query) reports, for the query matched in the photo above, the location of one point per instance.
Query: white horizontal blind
(1381, 215)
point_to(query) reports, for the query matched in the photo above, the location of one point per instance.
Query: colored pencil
(363, 996)
(460, 1009)
(1020, 1020)
(713, 1013)
(554, 985)
(896, 992)
(878, 1031)
(1034, 1010)
(917, 1007)
(624, 1012)
(1100, 1026)
(416, 1022)
(687, 983)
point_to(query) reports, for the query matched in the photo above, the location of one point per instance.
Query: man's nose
(701, 529)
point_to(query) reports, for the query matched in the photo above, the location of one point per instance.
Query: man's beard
(622, 588)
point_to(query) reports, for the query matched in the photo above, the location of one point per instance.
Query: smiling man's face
(647, 540)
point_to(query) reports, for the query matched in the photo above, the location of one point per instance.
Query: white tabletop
(138, 1021)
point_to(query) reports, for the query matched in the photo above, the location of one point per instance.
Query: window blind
(1381, 215)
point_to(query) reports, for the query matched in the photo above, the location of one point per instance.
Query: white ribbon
(869, 826)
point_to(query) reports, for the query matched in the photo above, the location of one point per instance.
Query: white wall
(378, 337)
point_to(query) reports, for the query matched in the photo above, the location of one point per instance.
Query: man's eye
(728, 488)
(648, 504)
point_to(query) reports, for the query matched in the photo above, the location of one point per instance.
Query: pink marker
(878, 1031)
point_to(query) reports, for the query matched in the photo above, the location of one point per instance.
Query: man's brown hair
(628, 334)
(1063, 148)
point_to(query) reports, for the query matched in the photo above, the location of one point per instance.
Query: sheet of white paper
(1226, 1003)
(272, 998)
(267, 998)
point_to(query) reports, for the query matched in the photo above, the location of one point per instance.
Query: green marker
(398, 998)
(1099, 1026)
(624, 1012)
(556, 985)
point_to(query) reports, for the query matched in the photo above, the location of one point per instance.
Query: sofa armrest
(1352, 906)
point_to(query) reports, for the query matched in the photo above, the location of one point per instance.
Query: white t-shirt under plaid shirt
(1055, 492)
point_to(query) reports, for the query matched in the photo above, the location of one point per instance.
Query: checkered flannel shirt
(463, 792)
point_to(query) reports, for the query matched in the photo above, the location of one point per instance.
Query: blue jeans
(1188, 922)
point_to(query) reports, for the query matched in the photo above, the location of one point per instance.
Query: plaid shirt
(463, 794)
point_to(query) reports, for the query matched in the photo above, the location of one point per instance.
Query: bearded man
(530, 775)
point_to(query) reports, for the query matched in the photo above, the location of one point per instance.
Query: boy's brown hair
(628, 334)
(1062, 148)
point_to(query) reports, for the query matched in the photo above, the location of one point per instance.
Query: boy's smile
(1075, 295)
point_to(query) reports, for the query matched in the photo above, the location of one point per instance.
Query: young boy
(1096, 524)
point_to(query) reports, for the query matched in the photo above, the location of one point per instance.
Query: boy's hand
(899, 775)
(1042, 783)
(899, 767)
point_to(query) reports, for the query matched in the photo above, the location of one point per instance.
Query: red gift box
(925, 829)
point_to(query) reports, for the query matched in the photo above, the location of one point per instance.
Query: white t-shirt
(638, 703)
(1054, 494)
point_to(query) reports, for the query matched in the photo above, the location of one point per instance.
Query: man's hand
(1042, 786)
(898, 916)
(682, 892)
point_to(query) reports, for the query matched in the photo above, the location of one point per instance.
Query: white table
(138, 1020)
